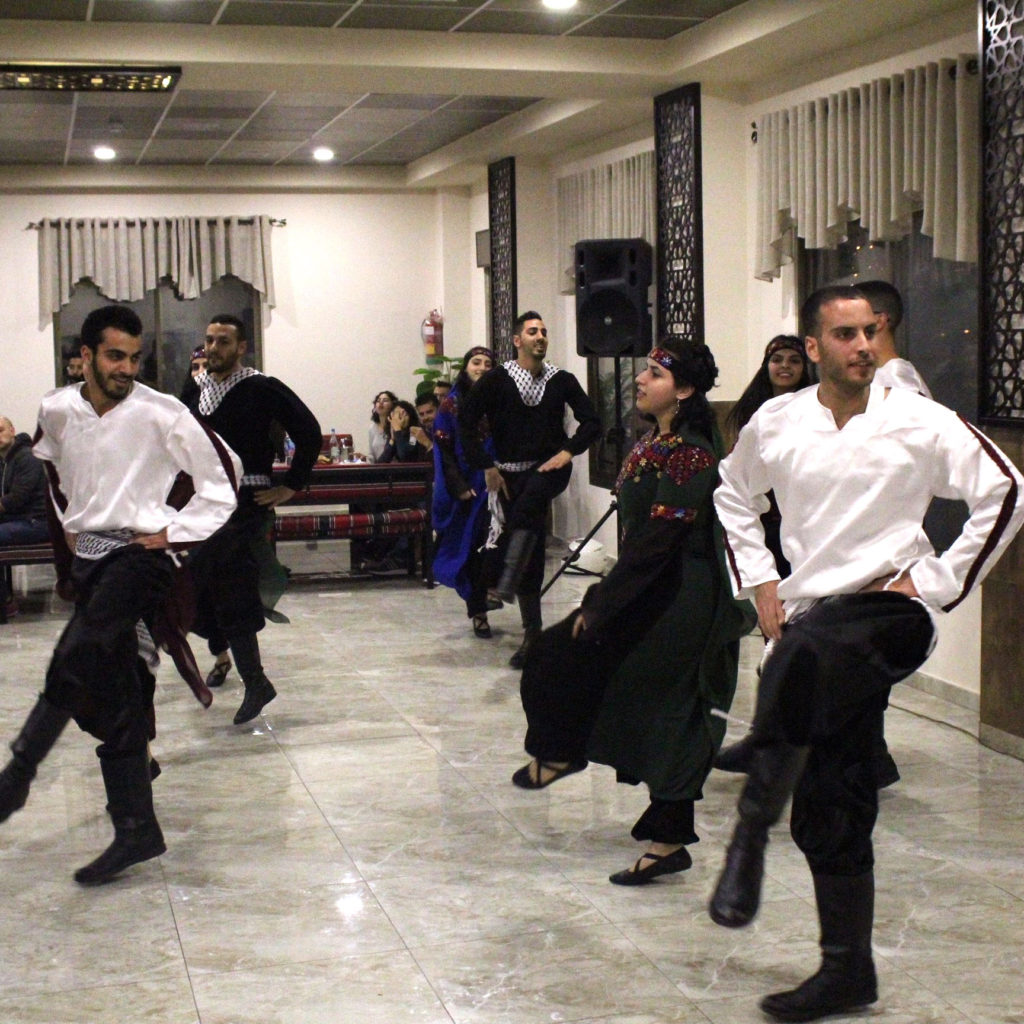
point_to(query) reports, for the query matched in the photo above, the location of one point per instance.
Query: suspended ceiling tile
(181, 12)
(273, 12)
(180, 151)
(535, 23)
(33, 151)
(253, 152)
(611, 27)
(39, 10)
(410, 17)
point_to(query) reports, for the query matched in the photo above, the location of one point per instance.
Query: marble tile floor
(359, 856)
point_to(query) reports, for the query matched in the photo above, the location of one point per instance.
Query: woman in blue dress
(460, 499)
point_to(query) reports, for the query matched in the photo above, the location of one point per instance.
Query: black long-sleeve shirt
(245, 416)
(524, 433)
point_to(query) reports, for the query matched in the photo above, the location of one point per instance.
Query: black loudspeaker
(612, 314)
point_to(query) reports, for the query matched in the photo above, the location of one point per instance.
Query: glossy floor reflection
(358, 855)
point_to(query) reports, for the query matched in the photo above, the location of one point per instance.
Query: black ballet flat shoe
(661, 864)
(481, 627)
(218, 674)
(524, 780)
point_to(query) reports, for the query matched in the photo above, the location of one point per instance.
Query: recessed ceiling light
(323, 154)
(559, 5)
(104, 153)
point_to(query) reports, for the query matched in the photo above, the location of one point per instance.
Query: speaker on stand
(613, 318)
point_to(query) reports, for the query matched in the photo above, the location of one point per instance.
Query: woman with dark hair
(380, 428)
(631, 678)
(459, 511)
(785, 368)
(402, 445)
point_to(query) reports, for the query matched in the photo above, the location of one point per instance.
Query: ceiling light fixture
(559, 5)
(104, 153)
(323, 155)
(88, 78)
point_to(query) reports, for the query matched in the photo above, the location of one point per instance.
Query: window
(171, 327)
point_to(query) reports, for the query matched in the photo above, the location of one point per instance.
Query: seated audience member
(73, 373)
(404, 428)
(426, 409)
(380, 428)
(22, 495)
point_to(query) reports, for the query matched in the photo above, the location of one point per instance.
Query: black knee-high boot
(137, 835)
(774, 771)
(259, 690)
(517, 557)
(41, 730)
(846, 979)
(529, 610)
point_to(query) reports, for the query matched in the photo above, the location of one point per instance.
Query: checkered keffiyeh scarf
(531, 389)
(212, 392)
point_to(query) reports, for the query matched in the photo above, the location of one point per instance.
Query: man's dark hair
(231, 321)
(530, 314)
(427, 398)
(121, 318)
(884, 298)
(810, 312)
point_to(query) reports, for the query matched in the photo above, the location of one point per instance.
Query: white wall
(355, 275)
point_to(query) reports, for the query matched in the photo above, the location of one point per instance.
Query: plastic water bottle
(289, 450)
(335, 448)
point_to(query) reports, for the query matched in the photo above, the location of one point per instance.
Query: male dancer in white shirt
(113, 449)
(853, 467)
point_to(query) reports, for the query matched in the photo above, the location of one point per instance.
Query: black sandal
(524, 780)
(661, 864)
(218, 673)
(481, 627)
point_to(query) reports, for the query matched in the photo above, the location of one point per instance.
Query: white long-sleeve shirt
(116, 470)
(853, 500)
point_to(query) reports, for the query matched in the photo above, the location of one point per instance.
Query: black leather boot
(529, 610)
(41, 730)
(846, 978)
(137, 835)
(517, 556)
(774, 771)
(259, 690)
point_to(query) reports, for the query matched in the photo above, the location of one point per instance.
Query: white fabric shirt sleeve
(740, 502)
(215, 470)
(970, 467)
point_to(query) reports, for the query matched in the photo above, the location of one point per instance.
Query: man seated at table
(22, 496)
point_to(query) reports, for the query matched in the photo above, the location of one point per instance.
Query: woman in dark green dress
(631, 678)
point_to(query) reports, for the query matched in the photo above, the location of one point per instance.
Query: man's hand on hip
(770, 614)
(557, 461)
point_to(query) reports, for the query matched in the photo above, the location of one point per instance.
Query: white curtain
(615, 200)
(125, 258)
(878, 153)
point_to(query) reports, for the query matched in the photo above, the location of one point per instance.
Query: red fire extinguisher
(432, 333)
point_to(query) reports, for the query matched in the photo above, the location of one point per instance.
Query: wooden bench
(21, 554)
(384, 500)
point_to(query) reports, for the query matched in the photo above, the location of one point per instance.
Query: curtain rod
(277, 222)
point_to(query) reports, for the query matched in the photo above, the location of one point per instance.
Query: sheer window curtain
(879, 152)
(615, 200)
(125, 258)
